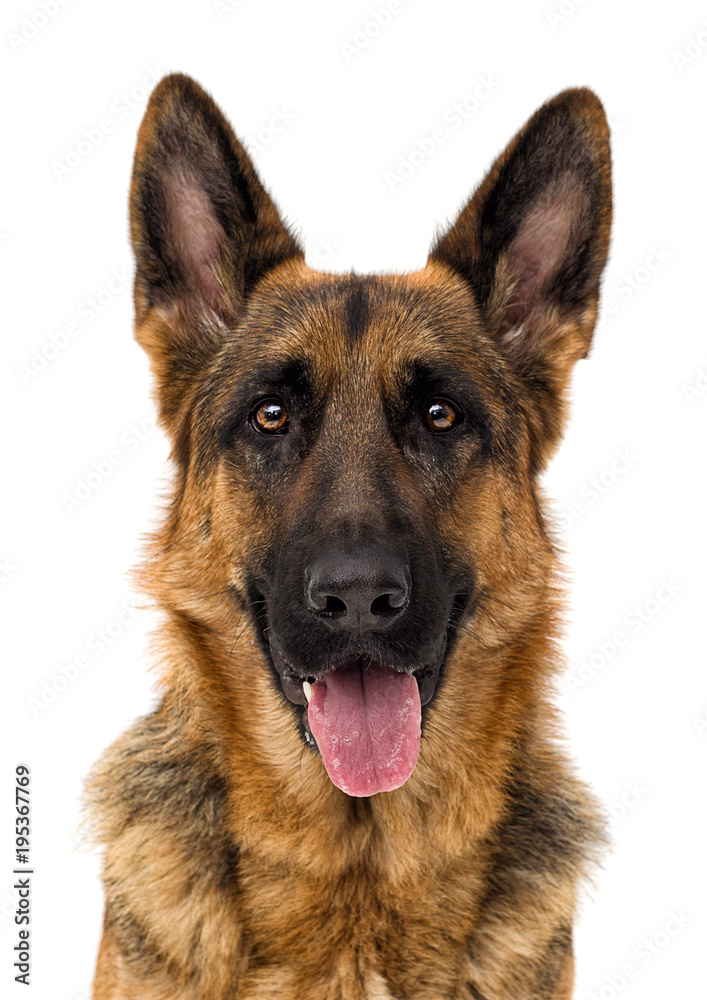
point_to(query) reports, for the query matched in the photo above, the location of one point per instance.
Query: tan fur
(234, 868)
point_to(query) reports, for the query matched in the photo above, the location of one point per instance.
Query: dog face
(357, 456)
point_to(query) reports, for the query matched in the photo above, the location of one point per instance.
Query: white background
(636, 712)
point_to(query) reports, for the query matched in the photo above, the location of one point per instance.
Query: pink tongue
(367, 726)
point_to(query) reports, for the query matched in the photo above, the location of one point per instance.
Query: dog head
(357, 457)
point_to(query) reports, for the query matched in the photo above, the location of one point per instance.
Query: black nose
(357, 592)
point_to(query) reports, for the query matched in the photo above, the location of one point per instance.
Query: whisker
(467, 630)
(181, 538)
(437, 734)
(490, 597)
(235, 640)
(217, 593)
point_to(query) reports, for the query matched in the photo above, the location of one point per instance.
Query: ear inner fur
(534, 237)
(204, 229)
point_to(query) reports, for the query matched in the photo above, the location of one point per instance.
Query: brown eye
(270, 417)
(441, 415)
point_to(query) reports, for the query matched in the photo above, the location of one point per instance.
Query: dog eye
(441, 415)
(270, 417)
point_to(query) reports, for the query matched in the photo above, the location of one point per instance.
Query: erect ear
(203, 228)
(533, 240)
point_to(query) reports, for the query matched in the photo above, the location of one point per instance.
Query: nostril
(384, 606)
(357, 593)
(334, 608)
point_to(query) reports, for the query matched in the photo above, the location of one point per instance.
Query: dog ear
(533, 240)
(203, 228)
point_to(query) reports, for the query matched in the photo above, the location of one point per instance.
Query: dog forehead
(352, 328)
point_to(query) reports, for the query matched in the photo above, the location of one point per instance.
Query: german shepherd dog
(352, 788)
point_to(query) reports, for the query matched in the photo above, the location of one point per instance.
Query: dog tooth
(307, 688)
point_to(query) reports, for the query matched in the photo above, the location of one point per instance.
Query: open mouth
(363, 715)
(366, 720)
